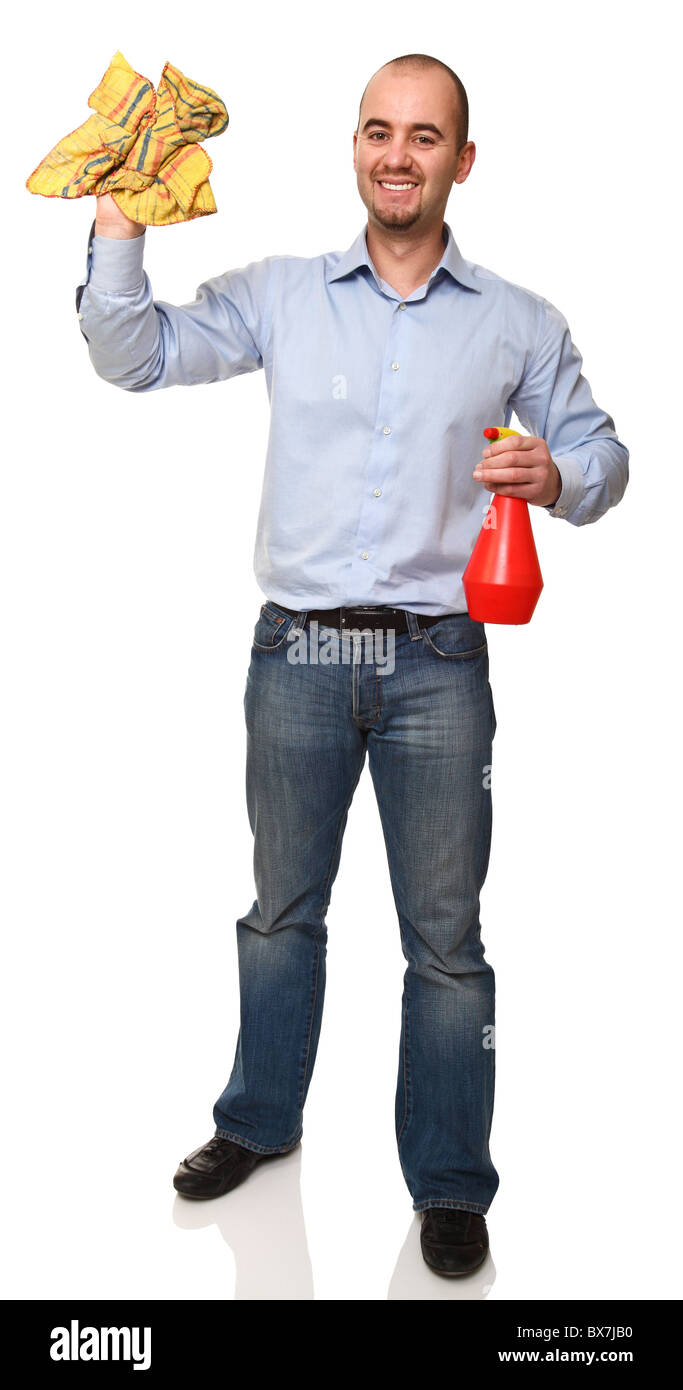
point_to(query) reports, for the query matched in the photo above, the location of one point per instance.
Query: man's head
(412, 128)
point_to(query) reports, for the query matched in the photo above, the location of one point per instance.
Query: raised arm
(141, 344)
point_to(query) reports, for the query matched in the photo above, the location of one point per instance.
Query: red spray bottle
(503, 580)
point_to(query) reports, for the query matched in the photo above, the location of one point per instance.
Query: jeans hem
(456, 1206)
(256, 1148)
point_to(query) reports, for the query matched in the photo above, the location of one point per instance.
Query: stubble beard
(396, 220)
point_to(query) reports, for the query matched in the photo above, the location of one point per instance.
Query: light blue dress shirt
(378, 406)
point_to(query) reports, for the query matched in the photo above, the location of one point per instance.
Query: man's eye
(374, 134)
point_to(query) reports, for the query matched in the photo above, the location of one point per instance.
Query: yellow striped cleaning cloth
(141, 146)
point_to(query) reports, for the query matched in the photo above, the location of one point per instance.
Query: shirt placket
(382, 463)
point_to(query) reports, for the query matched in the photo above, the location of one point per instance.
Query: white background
(127, 606)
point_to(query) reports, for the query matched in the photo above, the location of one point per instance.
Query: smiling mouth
(396, 187)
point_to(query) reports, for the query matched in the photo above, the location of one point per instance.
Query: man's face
(407, 133)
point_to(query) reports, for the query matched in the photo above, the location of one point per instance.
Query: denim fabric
(427, 726)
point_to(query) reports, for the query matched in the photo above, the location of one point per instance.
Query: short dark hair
(424, 60)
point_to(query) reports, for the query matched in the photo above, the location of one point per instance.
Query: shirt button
(394, 366)
(377, 492)
(79, 316)
(364, 555)
(387, 429)
(401, 306)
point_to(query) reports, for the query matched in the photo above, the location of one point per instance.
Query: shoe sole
(203, 1196)
(455, 1273)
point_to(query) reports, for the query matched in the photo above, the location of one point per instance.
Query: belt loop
(413, 625)
(299, 622)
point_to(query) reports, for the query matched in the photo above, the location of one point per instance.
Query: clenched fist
(111, 222)
(520, 466)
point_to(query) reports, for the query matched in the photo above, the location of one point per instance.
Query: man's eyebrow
(417, 125)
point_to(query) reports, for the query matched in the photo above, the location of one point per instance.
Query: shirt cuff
(117, 265)
(571, 473)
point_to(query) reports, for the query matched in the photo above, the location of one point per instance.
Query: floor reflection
(262, 1222)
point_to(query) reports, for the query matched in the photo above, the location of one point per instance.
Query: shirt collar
(452, 261)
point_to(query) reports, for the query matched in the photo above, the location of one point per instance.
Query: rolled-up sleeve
(554, 402)
(142, 344)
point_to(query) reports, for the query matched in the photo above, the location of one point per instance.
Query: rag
(141, 146)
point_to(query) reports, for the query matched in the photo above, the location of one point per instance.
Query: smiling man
(384, 364)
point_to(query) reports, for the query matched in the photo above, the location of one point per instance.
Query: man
(383, 365)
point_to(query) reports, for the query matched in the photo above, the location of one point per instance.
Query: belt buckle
(363, 616)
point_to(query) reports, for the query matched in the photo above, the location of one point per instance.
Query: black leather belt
(366, 615)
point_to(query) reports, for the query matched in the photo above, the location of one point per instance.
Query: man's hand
(111, 222)
(520, 466)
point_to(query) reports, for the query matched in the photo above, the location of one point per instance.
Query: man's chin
(397, 220)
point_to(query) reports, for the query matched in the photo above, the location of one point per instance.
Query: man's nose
(399, 156)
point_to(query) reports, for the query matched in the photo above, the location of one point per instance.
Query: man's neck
(403, 264)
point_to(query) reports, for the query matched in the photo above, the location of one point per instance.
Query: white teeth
(397, 185)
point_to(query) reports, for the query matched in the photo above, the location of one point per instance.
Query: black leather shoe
(215, 1168)
(453, 1241)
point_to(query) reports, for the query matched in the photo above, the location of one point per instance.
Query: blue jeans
(428, 726)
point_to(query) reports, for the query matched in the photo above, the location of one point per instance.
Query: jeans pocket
(456, 638)
(271, 628)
